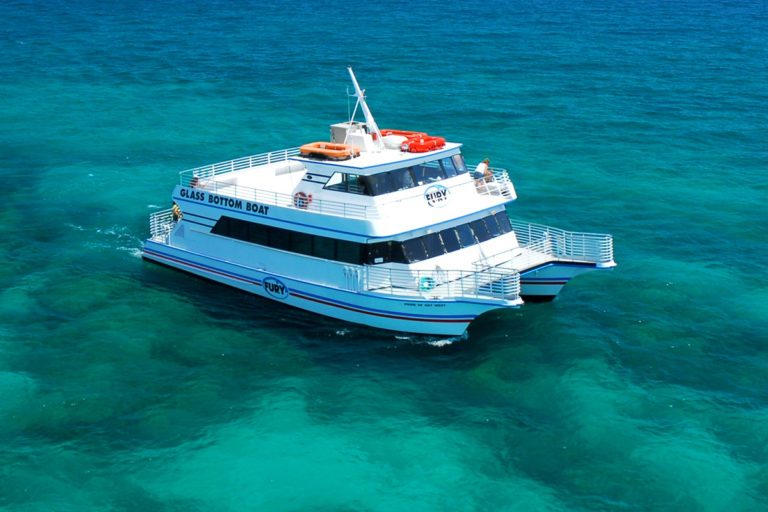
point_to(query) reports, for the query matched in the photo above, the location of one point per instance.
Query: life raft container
(403, 133)
(416, 142)
(301, 200)
(329, 150)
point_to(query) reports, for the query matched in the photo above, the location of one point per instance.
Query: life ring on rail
(301, 200)
(426, 284)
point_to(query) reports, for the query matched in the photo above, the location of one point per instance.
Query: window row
(408, 251)
(399, 179)
(442, 242)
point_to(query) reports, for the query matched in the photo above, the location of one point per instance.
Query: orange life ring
(301, 200)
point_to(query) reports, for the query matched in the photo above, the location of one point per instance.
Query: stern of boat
(161, 224)
(548, 258)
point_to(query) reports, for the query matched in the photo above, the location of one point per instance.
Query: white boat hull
(403, 314)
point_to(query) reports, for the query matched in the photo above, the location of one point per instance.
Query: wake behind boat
(387, 228)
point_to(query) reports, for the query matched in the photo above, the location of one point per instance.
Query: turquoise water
(129, 386)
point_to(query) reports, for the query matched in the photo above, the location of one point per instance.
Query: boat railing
(271, 197)
(439, 283)
(191, 176)
(160, 225)
(497, 183)
(554, 243)
(571, 245)
(203, 178)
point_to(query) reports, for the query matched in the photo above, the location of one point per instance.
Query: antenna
(372, 126)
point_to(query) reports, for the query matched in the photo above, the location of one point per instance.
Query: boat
(385, 228)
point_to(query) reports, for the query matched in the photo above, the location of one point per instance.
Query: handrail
(539, 240)
(499, 183)
(573, 245)
(209, 171)
(160, 225)
(201, 177)
(439, 283)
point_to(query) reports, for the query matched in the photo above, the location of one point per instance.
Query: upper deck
(370, 163)
(276, 178)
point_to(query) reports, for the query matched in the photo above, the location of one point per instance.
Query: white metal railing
(209, 171)
(201, 177)
(496, 184)
(541, 244)
(160, 225)
(572, 245)
(487, 283)
(565, 245)
(270, 197)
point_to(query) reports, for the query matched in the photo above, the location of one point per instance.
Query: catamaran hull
(403, 314)
(543, 283)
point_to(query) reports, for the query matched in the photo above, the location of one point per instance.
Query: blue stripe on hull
(198, 268)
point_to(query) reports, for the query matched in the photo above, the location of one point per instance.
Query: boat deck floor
(278, 177)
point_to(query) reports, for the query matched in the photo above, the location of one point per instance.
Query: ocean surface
(129, 386)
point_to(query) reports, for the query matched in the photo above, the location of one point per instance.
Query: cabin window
(446, 164)
(415, 250)
(408, 251)
(428, 173)
(348, 252)
(324, 248)
(378, 253)
(399, 179)
(351, 183)
(301, 243)
(493, 226)
(465, 235)
(397, 253)
(357, 184)
(221, 227)
(380, 183)
(433, 244)
(402, 179)
(481, 230)
(280, 239)
(337, 182)
(504, 223)
(450, 240)
(458, 161)
(258, 233)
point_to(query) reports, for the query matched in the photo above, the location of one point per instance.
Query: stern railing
(160, 225)
(541, 244)
(571, 245)
(489, 283)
